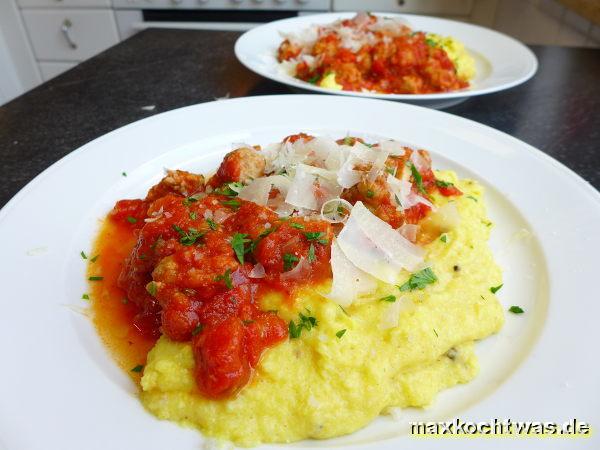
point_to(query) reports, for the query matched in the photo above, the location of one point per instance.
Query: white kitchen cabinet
(70, 34)
(434, 7)
(64, 3)
(52, 69)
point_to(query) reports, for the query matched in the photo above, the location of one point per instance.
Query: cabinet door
(64, 3)
(51, 69)
(434, 7)
(69, 34)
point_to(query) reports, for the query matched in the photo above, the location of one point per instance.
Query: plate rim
(534, 64)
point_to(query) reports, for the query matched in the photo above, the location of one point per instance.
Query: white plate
(59, 389)
(501, 61)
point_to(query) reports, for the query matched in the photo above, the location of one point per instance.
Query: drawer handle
(66, 31)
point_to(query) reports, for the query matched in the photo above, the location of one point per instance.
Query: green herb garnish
(340, 333)
(443, 184)
(198, 329)
(83, 255)
(131, 219)
(516, 309)
(370, 193)
(311, 253)
(288, 261)
(443, 238)
(189, 200)
(316, 236)
(225, 278)
(233, 203)
(151, 288)
(190, 237)
(419, 280)
(138, 368)
(238, 243)
(95, 278)
(472, 198)
(314, 79)
(306, 322)
(227, 190)
(388, 298)
(436, 334)
(85, 297)
(495, 289)
(124, 174)
(212, 224)
(297, 226)
(418, 179)
(95, 258)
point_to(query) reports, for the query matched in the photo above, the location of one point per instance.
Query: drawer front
(70, 35)
(64, 3)
(51, 69)
(449, 7)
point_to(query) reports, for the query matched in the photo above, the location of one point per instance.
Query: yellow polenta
(320, 385)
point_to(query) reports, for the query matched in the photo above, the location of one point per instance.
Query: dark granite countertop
(558, 111)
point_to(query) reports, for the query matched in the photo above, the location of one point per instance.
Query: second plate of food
(417, 59)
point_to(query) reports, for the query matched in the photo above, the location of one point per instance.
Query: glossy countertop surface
(557, 111)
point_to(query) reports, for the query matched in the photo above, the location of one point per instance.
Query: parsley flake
(95, 258)
(288, 261)
(190, 237)
(85, 297)
(311, 253)
(225, 278)
(138, 368)
(388, 298)
(472, 198)
(238, 243)
(340, 333)
(212, 224)
(516, 309)
(198, 329)
(443, 184)
(306, 322)
(495, 289)
(227, 189)
(297, 226)
(418, 179)
(124, 174)
(443, 238)
(233, 203)
(83, 255)
(419, 280)
(131, 219)
(316, 236)
(370, 193)
(151, 288)
(95, 278)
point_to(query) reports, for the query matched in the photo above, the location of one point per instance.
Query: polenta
(324, 303)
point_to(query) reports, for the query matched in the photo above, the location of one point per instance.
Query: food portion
(371, 53)
(299, 292)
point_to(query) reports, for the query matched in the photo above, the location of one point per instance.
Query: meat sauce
(405, 64)
(192, 262)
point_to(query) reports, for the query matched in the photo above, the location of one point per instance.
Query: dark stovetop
(558, 111)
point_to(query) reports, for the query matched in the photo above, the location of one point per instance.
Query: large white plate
(501, 61)
(59, 389)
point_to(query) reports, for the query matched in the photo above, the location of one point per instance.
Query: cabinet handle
(66, 31)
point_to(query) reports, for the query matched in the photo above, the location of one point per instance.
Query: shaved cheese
(390, 317)
(258, 271)
(409, 231)
(378, 165)
(394, 148)
(444, 218)
(302, 190)
(330, 210)
(375, 247)
(401, 190)
(297, 272)
(349, 282)
(421, 164)
(257, 191)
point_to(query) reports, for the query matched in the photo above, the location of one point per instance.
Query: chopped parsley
(316, 236)
(495, 289)
(95, 258)
(418, 179)
(430, 42)
(388, 298)
(131, 219)
(472, 198)
(212, 224)
(190, 237)
(516, 309)
(151, 288)
(311, 253)
(138, 368)
(193, 215)
(198, 329)
(419, 280)
(443, 184)
(344, 311)
(124, 174)
(349, 140)
(83, 255)
(233, 203)
(85, 297)
(443, 238)
(390, 170)
(227, 190)
(95, 278)
(225, 278)
(306, 322)
(370, 193)
(238, 243)
(297, 226)
(313, 80)
(436, 334)
(189, 200)
(288, 261)
(340, 333)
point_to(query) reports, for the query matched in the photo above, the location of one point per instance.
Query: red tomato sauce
(183, 267)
